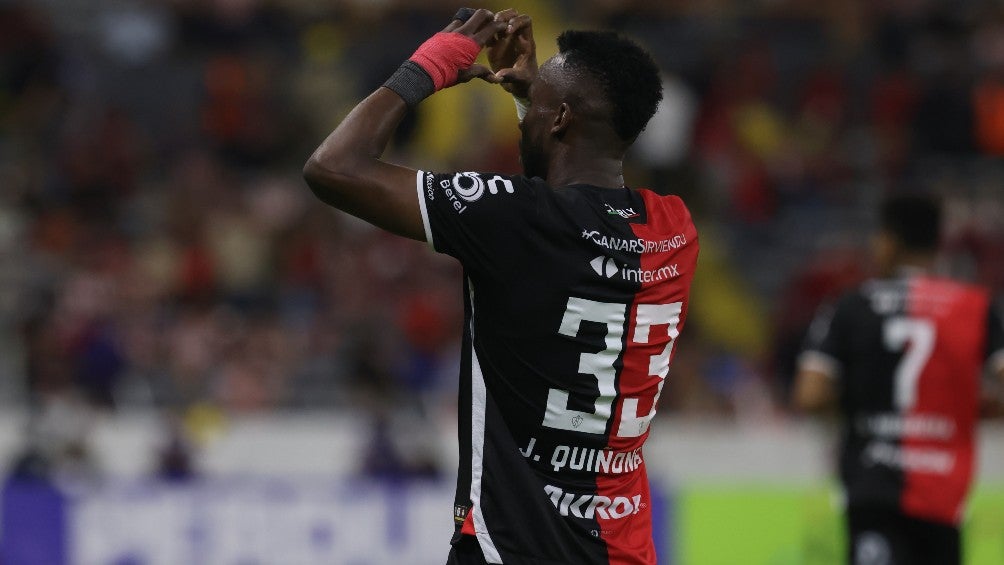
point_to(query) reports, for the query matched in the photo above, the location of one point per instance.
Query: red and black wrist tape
(435, 65)
(443, 56)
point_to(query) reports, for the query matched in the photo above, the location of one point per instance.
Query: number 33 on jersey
(601, 365)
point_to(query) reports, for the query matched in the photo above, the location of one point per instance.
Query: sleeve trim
(819, 362)
(425, 212)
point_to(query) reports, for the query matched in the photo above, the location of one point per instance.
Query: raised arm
(346, 171)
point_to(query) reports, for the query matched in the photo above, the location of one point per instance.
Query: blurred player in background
(902, 356)
(576, 287)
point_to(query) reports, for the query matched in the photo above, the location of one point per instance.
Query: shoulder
(848, 306)
(857, 296)
(471, 186)
(466, 212)
(951, 293)
(469, 194)
(669, 205)
(667, 214)
(947, 284)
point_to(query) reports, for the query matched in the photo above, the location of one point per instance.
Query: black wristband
(412, 83)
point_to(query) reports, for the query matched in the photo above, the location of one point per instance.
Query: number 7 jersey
(907, 354)
(575, 297)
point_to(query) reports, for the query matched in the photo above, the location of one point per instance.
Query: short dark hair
(914, 220)
(626, 72)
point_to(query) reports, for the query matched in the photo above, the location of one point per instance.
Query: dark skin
(567, 136)
(346, 170)
(513, 54)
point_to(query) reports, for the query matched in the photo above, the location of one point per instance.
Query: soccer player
(903, 356)
(576, 287)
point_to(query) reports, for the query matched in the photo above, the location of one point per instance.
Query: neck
(568, 166)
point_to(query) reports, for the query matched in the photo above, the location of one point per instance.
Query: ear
(562, 119)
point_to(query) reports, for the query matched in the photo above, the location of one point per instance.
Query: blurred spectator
(174, 461)
(57, 443)
(158, 248)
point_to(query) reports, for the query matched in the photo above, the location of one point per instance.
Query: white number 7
(920, 334)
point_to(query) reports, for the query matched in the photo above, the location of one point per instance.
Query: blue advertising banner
(233, 521)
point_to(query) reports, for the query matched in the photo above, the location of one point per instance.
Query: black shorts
(467, 551)
(878, 536)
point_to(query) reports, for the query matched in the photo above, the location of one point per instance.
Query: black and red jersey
(574, 299)
(908, 354)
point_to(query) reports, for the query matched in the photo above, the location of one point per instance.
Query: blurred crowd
(159, 249)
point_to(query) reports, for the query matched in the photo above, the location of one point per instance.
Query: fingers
(484, 26)
(487, 33)
(515, 82)
(511, 76)
(476, 22)
(460, 18)
(506, 15)
(477, 71)
(464, 14)
(518, 23)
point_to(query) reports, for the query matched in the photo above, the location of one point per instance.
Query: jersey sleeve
(823, 351)
(473, 216)
(995, 340)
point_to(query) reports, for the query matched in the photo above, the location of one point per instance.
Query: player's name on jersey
(586, 459)
(890, 297)
(635, 245)
(913, 426)
(930, 460)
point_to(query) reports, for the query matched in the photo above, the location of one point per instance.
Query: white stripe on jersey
(421, 206)
(479, 403)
